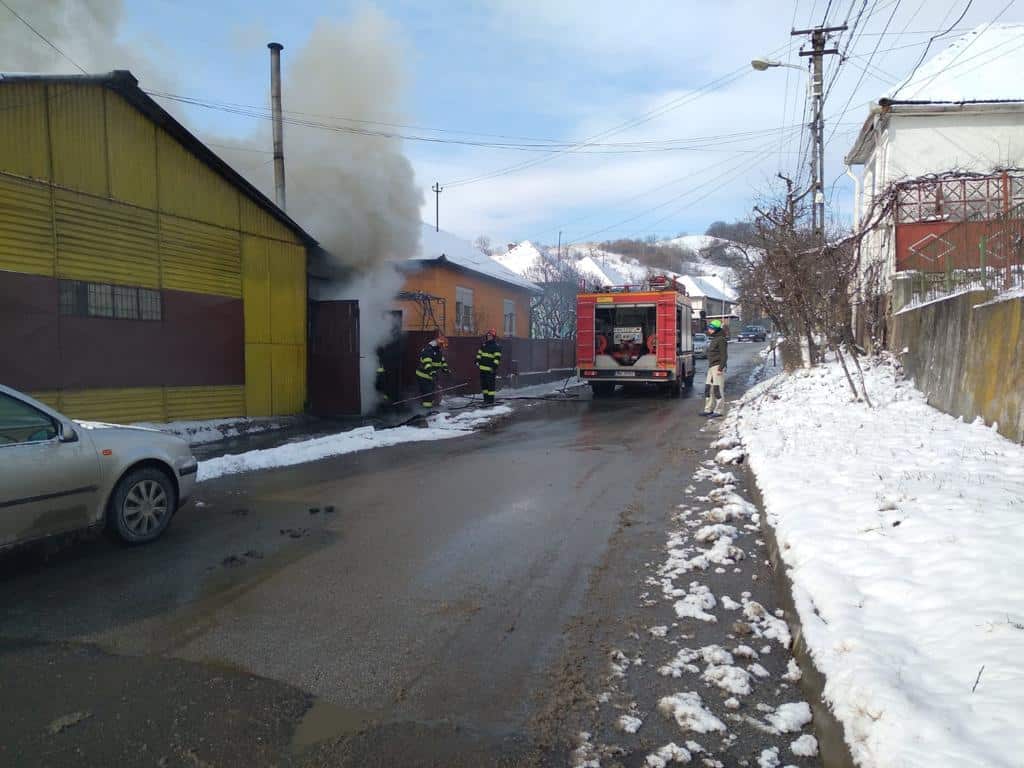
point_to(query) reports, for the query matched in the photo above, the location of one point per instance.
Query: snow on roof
(435, 246)
(982, 66)
(519, 259)
(709, 287)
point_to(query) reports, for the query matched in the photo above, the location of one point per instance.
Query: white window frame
(508, 314)
(465, 320)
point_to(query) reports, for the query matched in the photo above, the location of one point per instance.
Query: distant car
(59, 475)
(752, 333)
(700, 345)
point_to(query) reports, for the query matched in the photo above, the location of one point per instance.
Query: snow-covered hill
(699, 256)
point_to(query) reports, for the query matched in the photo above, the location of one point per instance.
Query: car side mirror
(66, 433)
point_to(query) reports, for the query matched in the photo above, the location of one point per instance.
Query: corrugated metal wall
(127, 204)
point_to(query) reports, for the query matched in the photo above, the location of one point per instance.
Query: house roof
(445, 248)
(980, 70)
(126, 85)
(983, 66)
(708, 287)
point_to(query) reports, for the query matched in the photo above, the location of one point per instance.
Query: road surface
(446, 603)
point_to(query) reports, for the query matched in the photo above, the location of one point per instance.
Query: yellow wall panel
(24, 144)
(78, 138)
(256, 221)
(50, 398)
(103, 241)
(190, 189)
(131, 141)
(118, 405)
(287, 294)
(199, 257)
(288, 366)
(26, 226)
(256, 289)
(192, 403)
(258, 398)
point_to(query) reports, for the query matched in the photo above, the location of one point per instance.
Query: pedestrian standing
(431, 365)
(488, 358)
(714, 384)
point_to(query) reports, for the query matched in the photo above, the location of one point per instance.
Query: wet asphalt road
(455, 607)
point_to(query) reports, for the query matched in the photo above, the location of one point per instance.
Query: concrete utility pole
(437, 189)
(819, 38)
(275, 105)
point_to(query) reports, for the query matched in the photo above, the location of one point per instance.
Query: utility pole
(559, 246)
(437, 205)
(819, 38)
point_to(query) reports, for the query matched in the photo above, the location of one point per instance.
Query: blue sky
(538, 69)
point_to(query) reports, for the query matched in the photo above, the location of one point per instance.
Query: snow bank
(901, 529)
(212, 430)
(440, 427)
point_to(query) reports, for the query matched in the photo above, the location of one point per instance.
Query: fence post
(982, 253)
(949, 272)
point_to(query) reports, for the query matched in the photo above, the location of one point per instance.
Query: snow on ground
(441, 426)
(900, 528)
(212, 430)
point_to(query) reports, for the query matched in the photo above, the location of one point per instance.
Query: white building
(963, 110)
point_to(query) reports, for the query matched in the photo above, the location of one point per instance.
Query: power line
(929, 45)
(41, 36)
(646, 117)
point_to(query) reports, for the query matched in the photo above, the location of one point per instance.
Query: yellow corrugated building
(141, 277)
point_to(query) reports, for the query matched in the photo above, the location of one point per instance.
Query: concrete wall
(968, 360)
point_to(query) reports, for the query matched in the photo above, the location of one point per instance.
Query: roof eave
(444, 260)
(125, 84)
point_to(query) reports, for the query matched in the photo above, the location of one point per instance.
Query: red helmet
(491, 332)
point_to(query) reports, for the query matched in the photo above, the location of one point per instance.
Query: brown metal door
(334, 358)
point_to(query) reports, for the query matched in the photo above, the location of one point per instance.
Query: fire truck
(635, 335)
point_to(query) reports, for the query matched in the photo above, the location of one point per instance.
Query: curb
(832, 746)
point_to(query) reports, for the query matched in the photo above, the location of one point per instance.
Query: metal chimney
(275, 103)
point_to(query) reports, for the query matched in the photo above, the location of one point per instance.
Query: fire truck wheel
(675, 388)
(602, 389)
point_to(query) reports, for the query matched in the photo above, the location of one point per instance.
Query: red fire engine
(635, 334)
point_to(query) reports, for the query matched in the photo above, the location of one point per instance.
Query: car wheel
(141, 506)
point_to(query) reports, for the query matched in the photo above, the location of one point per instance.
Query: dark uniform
(488, 358)
(431, 364)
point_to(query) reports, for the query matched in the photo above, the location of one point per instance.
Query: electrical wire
(41, 36)
(928, 46)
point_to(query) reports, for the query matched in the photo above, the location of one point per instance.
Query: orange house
(452, 285)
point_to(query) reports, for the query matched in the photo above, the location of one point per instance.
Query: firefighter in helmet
(718, 355)
(432, 363)
(488, 358)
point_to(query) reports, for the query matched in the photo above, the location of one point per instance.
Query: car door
(47, 485)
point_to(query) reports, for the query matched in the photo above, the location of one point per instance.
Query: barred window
(122, 302)
(101, 300)
(149, 304)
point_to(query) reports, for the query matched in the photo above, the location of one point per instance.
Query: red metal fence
(960, 233)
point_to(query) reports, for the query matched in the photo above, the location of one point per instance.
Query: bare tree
(483, 243)
(553, 313)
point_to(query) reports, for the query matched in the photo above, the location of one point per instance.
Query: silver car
(59, 475)
(700, 345)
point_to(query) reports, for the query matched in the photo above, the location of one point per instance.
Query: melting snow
(688, 711)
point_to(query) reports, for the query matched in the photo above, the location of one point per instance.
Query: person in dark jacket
(488, 358)
(714, 384)
(431, 365)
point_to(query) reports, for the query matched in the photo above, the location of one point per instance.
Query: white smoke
(354, 193)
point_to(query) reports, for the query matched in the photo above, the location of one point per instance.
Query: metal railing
(985, 254)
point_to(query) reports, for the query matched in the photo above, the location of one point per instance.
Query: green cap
(716, 324)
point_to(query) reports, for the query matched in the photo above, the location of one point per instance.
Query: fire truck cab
(635, 335)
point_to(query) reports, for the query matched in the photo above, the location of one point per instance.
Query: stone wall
(968, 359)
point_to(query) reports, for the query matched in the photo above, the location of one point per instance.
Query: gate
(334, 358)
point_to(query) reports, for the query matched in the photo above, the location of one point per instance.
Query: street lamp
(762, 64)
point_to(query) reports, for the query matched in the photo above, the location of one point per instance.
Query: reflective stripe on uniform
(484, 368)
(427, 403)
(424, 375)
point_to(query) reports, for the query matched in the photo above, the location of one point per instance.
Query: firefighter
(432, 364)
(381, 382)
(714, 386)
(488, 358)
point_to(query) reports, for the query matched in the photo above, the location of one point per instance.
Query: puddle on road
(324, 721)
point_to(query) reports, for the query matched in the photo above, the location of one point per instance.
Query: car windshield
(752, 329)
